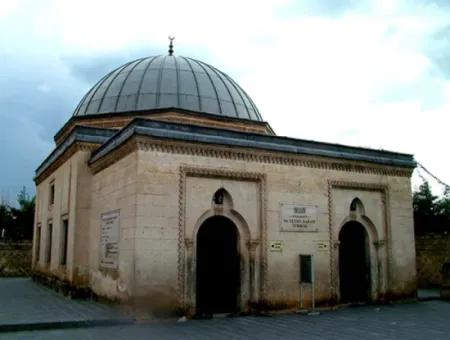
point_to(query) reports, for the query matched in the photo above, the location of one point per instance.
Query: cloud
(369, 73)
(34, 106)
(8, 7)
(322, 8)
(438, 50)
(22, 148)
(91, 68)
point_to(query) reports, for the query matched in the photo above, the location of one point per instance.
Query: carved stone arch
(241, 224)
(233, 215)
(379, 234)
(253, 236)
(357, 213)
(246, 282)
(365, 222)
(370, 227)
(373, 241)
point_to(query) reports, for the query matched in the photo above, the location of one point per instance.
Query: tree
(431, 214)
(443, 205)
(18, 222)
(5, 219)
(443, 210)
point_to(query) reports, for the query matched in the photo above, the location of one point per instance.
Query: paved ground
(424, 320)
(23, 301)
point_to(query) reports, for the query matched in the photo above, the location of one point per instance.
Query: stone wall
(432, 252)
(15, 258)
(164, 193)
(72, 192)
(387, 213)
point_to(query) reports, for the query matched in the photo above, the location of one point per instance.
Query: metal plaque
(109, 240)
(298, 217)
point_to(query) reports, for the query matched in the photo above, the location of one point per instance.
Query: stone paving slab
(24, 302)
(425, 320)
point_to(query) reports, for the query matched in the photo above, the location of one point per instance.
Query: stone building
(166, 185)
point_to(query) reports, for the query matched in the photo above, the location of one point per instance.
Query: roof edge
(85, 134)
(210, 135)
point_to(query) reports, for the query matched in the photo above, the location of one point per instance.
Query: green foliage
(18, 222)
(431, 213)
(443, 205)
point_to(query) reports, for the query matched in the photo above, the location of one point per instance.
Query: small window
(218, 197)
(64, 237)
(38, 242)
(51, 199)
(357, 206)
(49, 243)
(222, 198)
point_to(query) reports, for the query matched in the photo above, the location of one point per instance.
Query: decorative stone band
(244, 154)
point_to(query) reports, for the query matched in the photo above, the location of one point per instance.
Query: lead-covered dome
(164, 82)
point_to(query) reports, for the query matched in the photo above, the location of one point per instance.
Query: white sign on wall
(322, 246)
(298, 217)
(276, 246)
(109, 240)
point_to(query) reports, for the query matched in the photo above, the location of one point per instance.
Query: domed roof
(168, 82)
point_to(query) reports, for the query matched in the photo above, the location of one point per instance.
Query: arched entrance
(354, 263)
(218, 267)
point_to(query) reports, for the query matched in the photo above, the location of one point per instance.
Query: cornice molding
(248, 155)
(221, 173)
(114, 156)
(72, 149)
(358, 185)
(261, 156)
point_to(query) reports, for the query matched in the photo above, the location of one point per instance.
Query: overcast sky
(367, 73)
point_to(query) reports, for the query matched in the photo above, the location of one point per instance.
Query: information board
(298, 217)
(305, 268)
(109, 240)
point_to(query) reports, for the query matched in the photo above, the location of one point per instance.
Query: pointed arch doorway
(218, 267)
(354, 263)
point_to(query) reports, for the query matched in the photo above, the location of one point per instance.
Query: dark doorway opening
(218, 267)
(354, 263)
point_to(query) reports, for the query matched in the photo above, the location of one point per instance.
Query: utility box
(306, 269)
